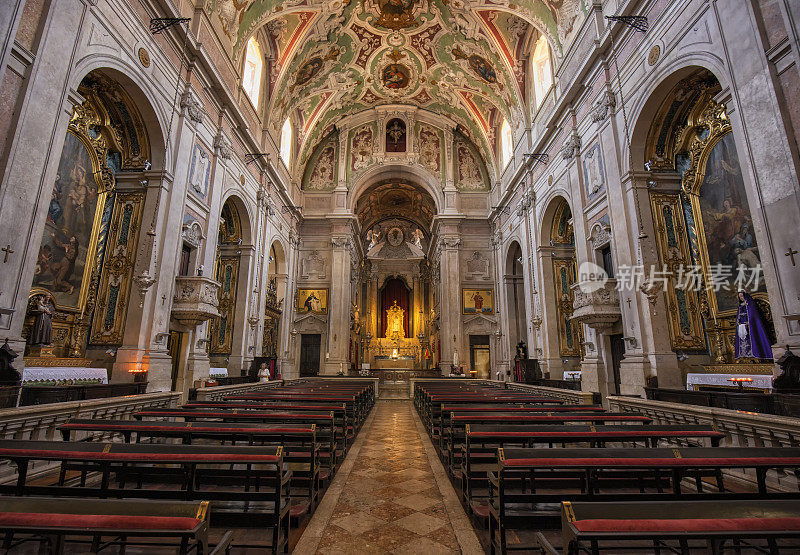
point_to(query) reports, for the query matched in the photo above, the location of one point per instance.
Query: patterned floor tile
(391, 502)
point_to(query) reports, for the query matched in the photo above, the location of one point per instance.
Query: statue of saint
(42, 333)
(752, 340)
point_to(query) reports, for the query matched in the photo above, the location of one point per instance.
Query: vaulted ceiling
(459, 58)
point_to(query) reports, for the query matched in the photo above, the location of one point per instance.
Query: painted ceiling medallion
(480, 65)
(396, 14)
(396, 76)
(395, 236)
(312, 67)
(144, 57)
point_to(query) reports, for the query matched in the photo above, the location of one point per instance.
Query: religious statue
(752, 340)
(373, 236)
(42, 332)
(395, 328)
(263, 373)
(417, 235)
(355, 318)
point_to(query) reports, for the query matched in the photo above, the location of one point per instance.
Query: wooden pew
(478, 447)
(459, 420)
(442, 410)
(325, 424)
(260, 479)
(432, 404)
(339, 411)
(55, 520)
(354, 413)
(301, 449)
(604, 474)
(711, 525)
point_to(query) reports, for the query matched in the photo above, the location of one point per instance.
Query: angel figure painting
(727, 224)
(68, 229)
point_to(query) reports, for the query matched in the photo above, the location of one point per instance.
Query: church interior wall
(582, 123)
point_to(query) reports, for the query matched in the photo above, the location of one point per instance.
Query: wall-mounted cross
(790, 253)
(629, 302)
(7, 250)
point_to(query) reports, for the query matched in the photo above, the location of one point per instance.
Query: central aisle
(391, 495)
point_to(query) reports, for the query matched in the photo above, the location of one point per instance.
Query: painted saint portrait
(727, 224)
(480, 65)
(62, 256)
(312, 300)
(396, 14)
(308, 71)
(477, 301)
(395, 76)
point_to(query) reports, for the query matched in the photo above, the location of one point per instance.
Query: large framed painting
(312, 300)
(725, 231)
(67, 251)
(477, 301)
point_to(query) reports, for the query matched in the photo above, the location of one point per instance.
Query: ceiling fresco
(456, 58)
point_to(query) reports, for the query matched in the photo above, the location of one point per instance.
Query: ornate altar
(704, 231)
(394, 322)
(87, 251)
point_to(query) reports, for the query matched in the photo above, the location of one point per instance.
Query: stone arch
(415, 174)
(139, 88)
(657, 87)
(558, 266)
(243, 211)
(514, 290)
(545, 217)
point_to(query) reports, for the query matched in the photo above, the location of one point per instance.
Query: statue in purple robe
(752, 340)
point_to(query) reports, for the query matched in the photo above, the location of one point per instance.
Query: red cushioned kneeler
(687, 525)
(111, 522)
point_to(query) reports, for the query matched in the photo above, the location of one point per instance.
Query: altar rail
(567, 395)
(40, 422)
(741, 428)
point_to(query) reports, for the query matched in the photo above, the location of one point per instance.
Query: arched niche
(87, 252)
(514, 281)
(563, 338)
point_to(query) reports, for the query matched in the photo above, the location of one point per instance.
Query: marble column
(451, 333)
(26, 183)
(339, 305)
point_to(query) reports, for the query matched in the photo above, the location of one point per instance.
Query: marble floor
(391, 495)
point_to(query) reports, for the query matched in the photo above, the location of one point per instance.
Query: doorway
(309, 354)
(479, 356)
(617, 354)
(174, 348)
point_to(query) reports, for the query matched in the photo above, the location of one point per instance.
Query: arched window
(286, 142)
(542, 70)
(253, 65)
(506, 143)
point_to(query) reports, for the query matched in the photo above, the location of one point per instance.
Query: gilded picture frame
(312, 301)
(477, 301)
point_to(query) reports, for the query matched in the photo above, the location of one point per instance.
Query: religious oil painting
(63, 253)
(727, 224)
(396, 76)
(312, 300)
(477, 301)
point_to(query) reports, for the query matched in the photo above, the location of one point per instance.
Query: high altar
(396, 330)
